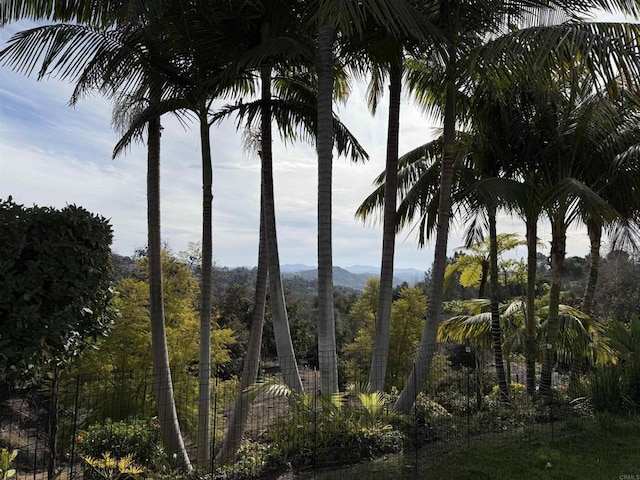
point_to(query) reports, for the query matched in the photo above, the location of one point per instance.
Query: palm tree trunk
(385, 298)
(328, 361)
(594, 230)
(238, 421)
(530, 319)
(162, 384)
(483, 278)
(558, 248)
(204, 370)
(284, 345)
(496, 330)
(429, 334)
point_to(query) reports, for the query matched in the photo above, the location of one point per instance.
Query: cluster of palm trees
(497, 72)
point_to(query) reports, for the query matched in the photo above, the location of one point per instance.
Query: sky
(53, 155)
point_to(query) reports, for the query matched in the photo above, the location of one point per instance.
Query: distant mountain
(409, 275)
(352, 277)
(341, 277)
(362, 269)
(295, 267)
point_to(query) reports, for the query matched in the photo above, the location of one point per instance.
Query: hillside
(353, 277)
(298, 277)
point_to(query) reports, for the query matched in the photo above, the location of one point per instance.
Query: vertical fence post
(35, 458)
(74, 431)
(552, 416)
(415, 425)
(468, 351)
(315, 424)
(215, 426)
(53, 424)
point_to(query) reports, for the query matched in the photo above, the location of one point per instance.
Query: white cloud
(51, 154)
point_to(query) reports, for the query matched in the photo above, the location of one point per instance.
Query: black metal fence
(459, 402)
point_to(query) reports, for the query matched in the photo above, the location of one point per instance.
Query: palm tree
(618, 187)
(208, 72)
(473, 267)
(614, 177)
(238, 420)
(379, 55)
(399, 19)
(450, 18)
(474, 328)
(293, 107)
(573, 123)
(112, 60)
(585, 41)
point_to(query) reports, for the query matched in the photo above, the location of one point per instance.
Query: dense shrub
(140, 438)
(428, 422)
(606, 389)
(252, 462)
(333, 432)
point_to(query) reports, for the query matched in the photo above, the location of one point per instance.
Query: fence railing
(459, 402)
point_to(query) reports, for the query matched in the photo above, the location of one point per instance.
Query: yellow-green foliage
(124, 358)
(6, 459)
(473, 264)
(128, 347)
(407, 320)
(114, 468)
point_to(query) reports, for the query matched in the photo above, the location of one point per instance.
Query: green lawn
(605, 449)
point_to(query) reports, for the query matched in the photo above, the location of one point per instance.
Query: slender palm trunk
(594, 229)
(483, 278)
(385, 298)
(162, 384)
(284, 345)
(558, 248)
(327, 358)
(579, 349)
(426, 349)
(238, 421)
(530, 319)
(496, 330)
(204, 370)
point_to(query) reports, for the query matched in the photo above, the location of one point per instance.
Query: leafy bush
(616, 388)
(428, 422)
(55, 288)
(139, 438)
(334, 432)
(252, 462)
(606, 390)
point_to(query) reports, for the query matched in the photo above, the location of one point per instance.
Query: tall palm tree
(572, 122)
(379, 56)
(294, 105)
(207, 72)
(399, 19)
(595, 42)
(112, 60)
(618, 152)
(238, 421)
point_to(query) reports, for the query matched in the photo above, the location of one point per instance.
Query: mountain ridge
(355, 276)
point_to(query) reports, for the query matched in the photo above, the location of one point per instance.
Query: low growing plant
(110, 468)
(138, 438)
(6, 459)
(328, 430)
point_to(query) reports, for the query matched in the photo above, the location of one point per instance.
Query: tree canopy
(55, 275)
